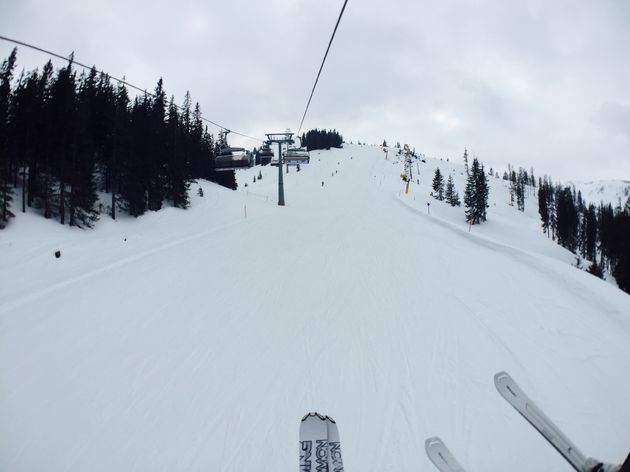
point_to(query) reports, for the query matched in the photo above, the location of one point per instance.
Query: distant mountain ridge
(607, 191)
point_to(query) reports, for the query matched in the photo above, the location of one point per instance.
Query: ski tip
(432, 441)
(499, 377)
(317, 415)
(507, 387)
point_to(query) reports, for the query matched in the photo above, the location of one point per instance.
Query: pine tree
(466, 162)
(6, 190)
(321, 139)
(63, 107)
(482, 192)
(157, 157)
(173, 145)
(25, 134)
(521, 181)
(470, 199)
(65, 137)
(596, 269)
(40, 186)
(19, 129)
(179, 151)
(450, 195)
(567, 219)
(199, 159)
(104, 129)
(82, 196)
(133, 179)
(455, 200)
(120, 144)
(449, 191)
(590, 223)
(438, 185)
(476, 194)
(543, 206)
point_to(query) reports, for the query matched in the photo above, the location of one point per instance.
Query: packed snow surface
(196, 340)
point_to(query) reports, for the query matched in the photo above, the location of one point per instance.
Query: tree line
(476, 192)
(321, 139)
(65, 137)
(598, 234)
(520, 184)
(448, 194)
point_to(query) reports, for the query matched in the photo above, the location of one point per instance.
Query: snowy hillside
(196, 340)
(607, 191)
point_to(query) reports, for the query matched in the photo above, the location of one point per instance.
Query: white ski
(335, 463)
(509, 390)
(313, 443)
(440, 456)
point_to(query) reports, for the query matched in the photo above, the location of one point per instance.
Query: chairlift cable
(322, 66)
(122, 81)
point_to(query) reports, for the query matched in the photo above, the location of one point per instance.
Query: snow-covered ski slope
(196, 340)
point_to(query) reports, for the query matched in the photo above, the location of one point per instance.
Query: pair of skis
(320, 449)
(445, 462)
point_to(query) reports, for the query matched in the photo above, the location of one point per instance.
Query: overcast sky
(535, 83)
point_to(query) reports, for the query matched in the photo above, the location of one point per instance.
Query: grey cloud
(515, 81)
(614, 118)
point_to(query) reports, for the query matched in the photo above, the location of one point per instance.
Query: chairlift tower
(280, 138)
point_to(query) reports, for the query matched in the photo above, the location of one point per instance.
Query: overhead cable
(322, 66)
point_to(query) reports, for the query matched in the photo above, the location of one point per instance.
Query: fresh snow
(606, 191)
(196, 340)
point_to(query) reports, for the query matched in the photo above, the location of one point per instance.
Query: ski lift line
(322, 65)
(116, 79)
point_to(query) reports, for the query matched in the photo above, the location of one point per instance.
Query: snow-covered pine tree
(450, 194)
(450, 188)
(476, 194)
(470, 200)
(455, 200)
(438, 185)
(466, 161)
(521, 181)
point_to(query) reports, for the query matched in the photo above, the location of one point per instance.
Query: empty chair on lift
(232, 158)
(296, 156)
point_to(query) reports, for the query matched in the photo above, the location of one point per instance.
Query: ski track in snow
(201, 342)
(115, 265)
